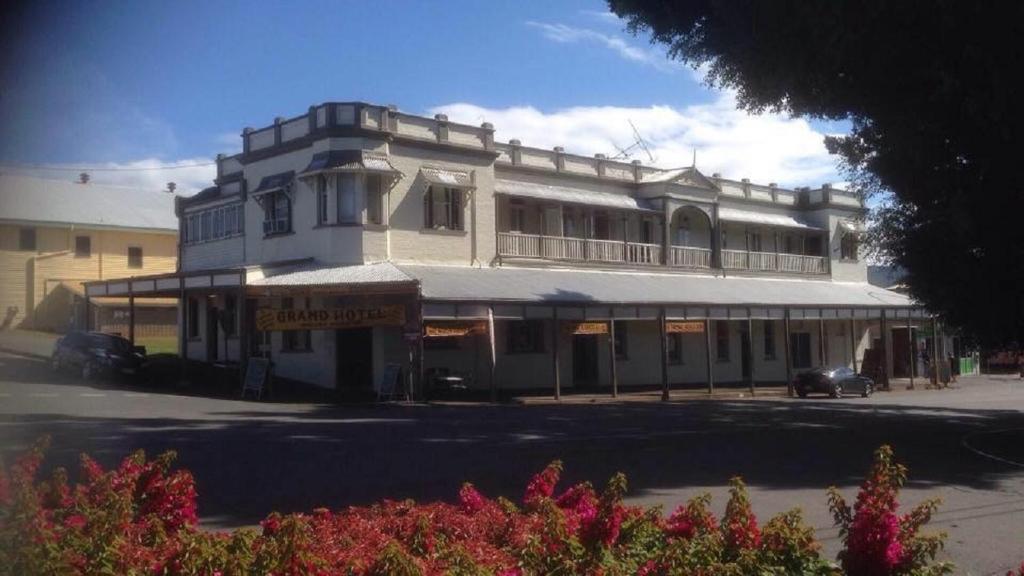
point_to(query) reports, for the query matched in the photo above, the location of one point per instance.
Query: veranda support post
(789, 355)
(611, 358)
(491, 353)
(707, 353)
(131, 314)
(886, 352)
(554, 354)
(935, 351)
(662, 328)
(910, 348)
(853, 343)
(750, 351)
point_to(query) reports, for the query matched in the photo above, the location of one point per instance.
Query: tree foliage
(933, 92)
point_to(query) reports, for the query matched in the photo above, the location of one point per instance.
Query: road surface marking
(93, 394)
(135, 395)
(964, 442)
(43, 394)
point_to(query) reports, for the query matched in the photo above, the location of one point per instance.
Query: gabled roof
(28, 199)
(684, 176)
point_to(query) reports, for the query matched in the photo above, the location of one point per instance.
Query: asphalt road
(965, 445)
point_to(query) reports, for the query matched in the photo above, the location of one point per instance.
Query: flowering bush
(879, 542)
(140, 518)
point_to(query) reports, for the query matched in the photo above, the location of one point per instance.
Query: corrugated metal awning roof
(767, 219)
(321, 274)
(634, 288)
(349, 161)
(448, 178)
(569, 195)
(273, 183)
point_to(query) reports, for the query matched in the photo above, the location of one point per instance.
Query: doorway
(584, 360)
(212, 315)
(354, 351)
(901, 361)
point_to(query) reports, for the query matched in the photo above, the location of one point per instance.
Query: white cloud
(765, 148)
(565, 34)
(604, 16)
(191, 174)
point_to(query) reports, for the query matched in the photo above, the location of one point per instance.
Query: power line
(103, 169)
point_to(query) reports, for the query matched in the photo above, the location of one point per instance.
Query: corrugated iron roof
(349, 161)
(569, 195)
(450, 178)
(768, 219)
(607, 287)
(321, 274)
(274, 182)
(28, 199)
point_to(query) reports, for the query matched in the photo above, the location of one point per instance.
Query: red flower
(542, 485)
(470, 499)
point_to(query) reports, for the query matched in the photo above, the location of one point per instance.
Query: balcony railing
(516, 245)
(577, 249)
(770, 261)
(687, 257)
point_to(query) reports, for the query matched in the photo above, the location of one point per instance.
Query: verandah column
(554, 353)
(910, 348)
(611, 358)
(664, 355)
(821, 338)
(131, 314)
(707, 354)
(750, 350)
(853, 342)
(789, 355)
(886, 370)
(935, 351)
(491, 353)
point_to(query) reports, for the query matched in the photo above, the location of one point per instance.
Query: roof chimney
(83, 178)
(171, 187)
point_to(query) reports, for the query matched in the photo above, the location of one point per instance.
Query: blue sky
(145, 84)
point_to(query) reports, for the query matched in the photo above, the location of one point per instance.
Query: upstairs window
(214, 224)
(134, 257)
(83, 247)
(443, 208)
(374, 199)
(348, 207)
(27, 239)
(277, 214)
(322, 196)
(848, 246)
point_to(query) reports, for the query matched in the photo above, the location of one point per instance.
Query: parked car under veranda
(94, 354)
(835, 382)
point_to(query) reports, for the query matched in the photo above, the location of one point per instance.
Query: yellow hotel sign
(268, 319)
(684, 327)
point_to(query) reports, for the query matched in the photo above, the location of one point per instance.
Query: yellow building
(56, 234)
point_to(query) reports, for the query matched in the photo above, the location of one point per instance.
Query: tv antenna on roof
(639, 143)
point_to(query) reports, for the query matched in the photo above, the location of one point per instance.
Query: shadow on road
(250, 461)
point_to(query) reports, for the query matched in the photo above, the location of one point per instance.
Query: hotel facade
(357, 243)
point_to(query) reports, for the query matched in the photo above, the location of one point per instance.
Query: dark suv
(95, 354)
(833, 381)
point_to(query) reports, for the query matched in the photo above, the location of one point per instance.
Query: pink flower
(75, 522)
(542, 485)
(470, 499)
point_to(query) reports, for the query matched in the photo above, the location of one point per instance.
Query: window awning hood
(851, 227)
(569, 195)
(273, 183)
(766, 219)
(350, 161)
(448, 178)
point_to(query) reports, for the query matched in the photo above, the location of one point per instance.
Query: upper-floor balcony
(580, 234)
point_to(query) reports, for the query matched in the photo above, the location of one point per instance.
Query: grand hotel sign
(269, 319)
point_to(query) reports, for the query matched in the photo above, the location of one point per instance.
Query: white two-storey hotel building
(355, 243)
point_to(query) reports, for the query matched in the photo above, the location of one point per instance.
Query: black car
(833, 381)
(95, 354)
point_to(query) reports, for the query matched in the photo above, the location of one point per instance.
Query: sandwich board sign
(257, 372)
